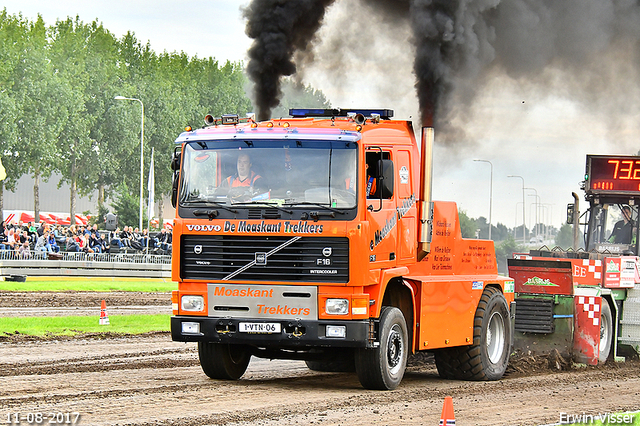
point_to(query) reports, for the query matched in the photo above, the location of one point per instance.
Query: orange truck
(315, 238)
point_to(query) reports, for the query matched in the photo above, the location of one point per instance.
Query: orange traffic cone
(104, 318)
(447, 418)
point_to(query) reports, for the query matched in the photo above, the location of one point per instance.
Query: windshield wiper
(309, 203)
(206, 203)
(212, 214)
(264, 204)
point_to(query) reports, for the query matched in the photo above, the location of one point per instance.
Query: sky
(541, 135)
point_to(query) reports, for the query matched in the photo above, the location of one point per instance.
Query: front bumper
(294, 333)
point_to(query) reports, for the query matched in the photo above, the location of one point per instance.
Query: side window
(379, 169)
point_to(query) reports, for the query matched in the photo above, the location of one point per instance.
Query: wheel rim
(395, 349)
(495, 337)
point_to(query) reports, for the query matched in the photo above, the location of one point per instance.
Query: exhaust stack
(576, 221)
(426, 207)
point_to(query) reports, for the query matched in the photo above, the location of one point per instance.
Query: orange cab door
(406, 208)
(381, 209)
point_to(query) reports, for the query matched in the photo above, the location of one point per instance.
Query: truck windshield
(273, 172)
(613, 228)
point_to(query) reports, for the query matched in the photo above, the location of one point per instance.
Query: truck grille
(534, 316)
(259, 258)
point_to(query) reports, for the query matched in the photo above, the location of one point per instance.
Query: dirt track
(83, 299)
(44, 303)
(150, 380)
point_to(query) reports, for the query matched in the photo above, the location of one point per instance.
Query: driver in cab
(622, 230)
(245, 182)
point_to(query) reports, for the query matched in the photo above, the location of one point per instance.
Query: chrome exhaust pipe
(426, 206)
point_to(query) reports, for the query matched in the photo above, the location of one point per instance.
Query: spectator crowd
(25, 239)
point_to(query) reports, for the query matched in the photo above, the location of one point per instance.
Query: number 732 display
(612, 174)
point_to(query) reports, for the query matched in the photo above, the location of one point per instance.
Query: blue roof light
(384, 114)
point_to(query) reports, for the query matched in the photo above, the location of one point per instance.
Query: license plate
(260, 327)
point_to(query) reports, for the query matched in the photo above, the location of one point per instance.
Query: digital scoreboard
(612, 174)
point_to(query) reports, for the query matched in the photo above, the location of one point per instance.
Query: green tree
(125, 206)
(40, 95)
(505, 251)
(482, 224)
(500, 232)
(12, 39)
(8, 148)
(564, 238)
(77, 149)
(467, 225)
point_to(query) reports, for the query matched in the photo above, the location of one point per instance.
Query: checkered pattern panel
(590, 306)
(593, 267)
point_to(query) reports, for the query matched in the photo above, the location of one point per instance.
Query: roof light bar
(384, 114)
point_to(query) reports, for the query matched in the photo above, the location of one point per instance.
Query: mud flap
(586, 335)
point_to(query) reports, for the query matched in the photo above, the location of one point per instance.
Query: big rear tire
(382, 368)
(606, 332)
(488, 356)
(223, 361)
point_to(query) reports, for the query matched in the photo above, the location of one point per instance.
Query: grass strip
(90, 284)
(71, 325)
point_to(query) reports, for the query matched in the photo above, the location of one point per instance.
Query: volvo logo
(197, 249)
(261, 258)
(204, 228)
(327, 251)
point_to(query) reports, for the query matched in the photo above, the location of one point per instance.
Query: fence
(86, 264)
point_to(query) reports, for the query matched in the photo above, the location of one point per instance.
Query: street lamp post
(515, 221)
(550, 216)
(532, 216)
(524, 237)
(123, 98)
(544, 211)
(537, 207)
(490, 193)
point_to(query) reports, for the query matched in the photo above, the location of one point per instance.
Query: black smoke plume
(280, 29)
(584, 50)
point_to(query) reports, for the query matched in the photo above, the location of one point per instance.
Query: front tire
(487, 358)
(606, 332)
(223, 361)
(382, 368)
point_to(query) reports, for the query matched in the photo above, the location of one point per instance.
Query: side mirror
(174, 189)
(385, 168)
(175, 161)
(570, 211)
(175, 166)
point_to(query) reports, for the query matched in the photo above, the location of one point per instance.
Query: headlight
(339, 331)
(192, 303)
(190, 328)
(337, 307)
